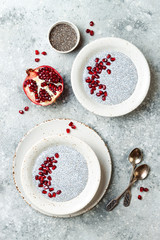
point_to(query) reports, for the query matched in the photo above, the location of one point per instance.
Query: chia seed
(120, 84)
(63, 37)
(71, 174)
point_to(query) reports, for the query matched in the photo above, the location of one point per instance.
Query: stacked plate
(83, 168)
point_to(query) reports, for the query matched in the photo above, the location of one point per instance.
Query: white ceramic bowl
(76, 31)
(115, 45)
(49, 205)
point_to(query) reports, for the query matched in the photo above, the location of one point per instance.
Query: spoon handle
(128, 195)
(114, 202)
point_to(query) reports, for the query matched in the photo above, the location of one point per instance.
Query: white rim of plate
(83, 132)
(118, 45)
(49, 205)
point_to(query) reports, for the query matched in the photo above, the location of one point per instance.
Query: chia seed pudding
(70, 175)
(63, 37)
(120, 80)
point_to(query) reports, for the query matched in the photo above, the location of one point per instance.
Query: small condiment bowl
(76, 31)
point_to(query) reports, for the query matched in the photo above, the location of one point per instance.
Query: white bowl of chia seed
(64, 36)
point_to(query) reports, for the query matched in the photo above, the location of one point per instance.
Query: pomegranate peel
(43, 85)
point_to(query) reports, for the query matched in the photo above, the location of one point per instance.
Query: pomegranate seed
(104, 98)
(108, 63)
(108, 71)
(104, 87)
(141, 189)
(49, 178)
(54, 161)
(50, 195)
(26, 108)
(21, 111)
(98, 94)
(41, 168)
(89, 68)
(45, 187)
(51, 189)
(70, 124)
(49, 183)
(36, 177)
(59, 192)
(91, 23)
(43, 53)
(40, 173)
(87, 30)
(73, 127)
(97, 60)
(54, 167)
(105, 94)
(36, 52)
(40, 185)
(44, 191)
(47, 158)
(91, 33)
(37, 59)
(104, 59)
(108, 56)
(92, 91)
(54, 194)
(68, 130)
(146, 189)
(100, 86)
(56, 155)
(139, 197)
(113, 59)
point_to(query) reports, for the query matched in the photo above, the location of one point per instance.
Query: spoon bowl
(135, 156)
(141, 172)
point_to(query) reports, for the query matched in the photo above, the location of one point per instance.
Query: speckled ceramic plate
(111, 45)
(74, 175)
(57, 127)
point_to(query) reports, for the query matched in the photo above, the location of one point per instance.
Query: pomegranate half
(43, 85)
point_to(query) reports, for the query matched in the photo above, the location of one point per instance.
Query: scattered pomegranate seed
(59, 192)
(26, 108)
(37, 59)
(54, 161)
(36, 52)
(43, 53)
(44, 191)
(91, 33)
(87, 30)
(49, 178)
(21, 111)
(36, 177)
(54, 194)
(73, 127)
(91, 23)
(108, 71)
(141, 189)
(70, 124)
(97, 60)
(113, 59)
(40, 185)
(108, 63)
(139, 197)
(51, 189)
(49, 195)
(146, 189)
(54, 167)
(56, 155)
(108, 56)
(68, 130)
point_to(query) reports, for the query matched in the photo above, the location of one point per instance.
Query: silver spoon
(140, 173)
(135, 157)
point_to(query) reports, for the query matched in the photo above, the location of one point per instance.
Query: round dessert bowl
(60, 208)
(110, 45)
(73, 27)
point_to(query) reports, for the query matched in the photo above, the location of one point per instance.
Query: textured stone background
(24, 27)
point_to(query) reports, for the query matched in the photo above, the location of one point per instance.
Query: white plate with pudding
(58, 127)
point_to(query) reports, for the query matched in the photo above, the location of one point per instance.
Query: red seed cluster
(142, 189)
(44, 178)
(94, 72)
(37, 53)
(71, 124)
(25, 109)
(91, 32)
